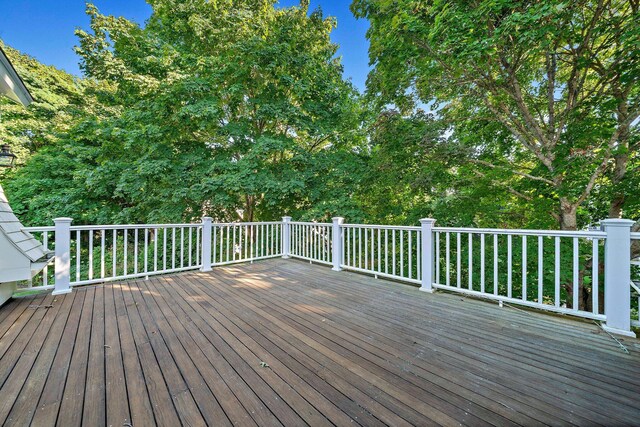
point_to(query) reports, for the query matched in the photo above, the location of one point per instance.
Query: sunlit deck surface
(285, 342)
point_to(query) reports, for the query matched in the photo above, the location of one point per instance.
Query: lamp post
(7, 158)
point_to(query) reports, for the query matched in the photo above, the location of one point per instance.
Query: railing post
(286, 236)
(617, 276)
(336, 243)
(426, 226)
(63, 256)
(206, 244)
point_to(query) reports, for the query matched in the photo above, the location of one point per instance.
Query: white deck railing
(582, 273)
(248, 241)
(552, 270)
(386, 251)
(310, 241)
(102, 253)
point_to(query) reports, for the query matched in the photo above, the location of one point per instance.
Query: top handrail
(382, 227)
(521, 232)
(231, 224)
(39, 229)
(143, 226)
(114, 227)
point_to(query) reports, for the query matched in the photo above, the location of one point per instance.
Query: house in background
(21, 255)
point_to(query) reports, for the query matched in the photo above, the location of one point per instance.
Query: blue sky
(44, 29)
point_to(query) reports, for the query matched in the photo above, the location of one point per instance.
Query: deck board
(73, 397)
(25, 405)
(162, 402)
(379, 361)
(338, 348)
(48, 404)
(137, 390)
(116, 399)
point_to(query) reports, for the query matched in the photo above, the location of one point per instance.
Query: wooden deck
(285, 342)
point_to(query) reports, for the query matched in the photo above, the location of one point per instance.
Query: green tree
(228, 108)
(415, 170)
(45, 183)
(60, 99)
(59, 180)
(541, 97)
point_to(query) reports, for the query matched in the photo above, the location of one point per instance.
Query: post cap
(62, 220)
(286, 218)
(427, 221)
(207, 218)
(617, 222)
(338, 219)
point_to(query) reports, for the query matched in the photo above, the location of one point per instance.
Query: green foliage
(540, 98)
(415, 171)
(59, 99)
(58, 181)
(237, 110)
(227, 108)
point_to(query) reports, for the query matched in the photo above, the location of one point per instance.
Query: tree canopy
(540, 98)
(232, 109)
(498, 114)
(58, 99)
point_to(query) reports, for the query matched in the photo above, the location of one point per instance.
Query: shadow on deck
(285, 342)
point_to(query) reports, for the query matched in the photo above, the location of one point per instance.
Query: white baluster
(509, 266)
(458, 261)
(495, 264)
(556, 284)
(102, 252)
(540, 270)
(114, 253)
(482, 263)
(524, 268)
(595, 279)
(78, 244)
(470, 261)
(576, 275)
(90, 254)
(126, 252)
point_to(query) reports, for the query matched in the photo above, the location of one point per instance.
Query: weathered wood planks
(288, 343)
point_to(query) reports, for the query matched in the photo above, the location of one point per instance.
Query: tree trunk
(249, 208)
(568, 215)
(635, 244)
(615, 208)
(569, 221)
(619, 173)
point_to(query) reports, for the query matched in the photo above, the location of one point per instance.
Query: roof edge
(23, 93)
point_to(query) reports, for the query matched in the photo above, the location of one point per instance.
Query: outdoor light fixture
(7, 158)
